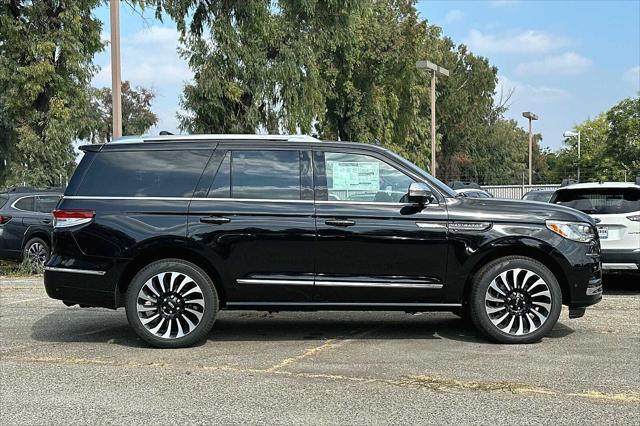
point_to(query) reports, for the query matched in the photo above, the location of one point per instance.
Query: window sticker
(354, 176)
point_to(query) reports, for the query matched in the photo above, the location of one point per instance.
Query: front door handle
(216, 220)
(340, 222)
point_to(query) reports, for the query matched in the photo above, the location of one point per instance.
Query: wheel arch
(36, 233)
(166, 251)
(526, 247)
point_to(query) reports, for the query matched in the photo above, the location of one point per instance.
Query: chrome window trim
(320, 283)
(74, 271)
(265, 200)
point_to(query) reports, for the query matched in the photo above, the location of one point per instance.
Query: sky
(566, 61)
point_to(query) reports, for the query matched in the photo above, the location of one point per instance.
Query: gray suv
(26, 223)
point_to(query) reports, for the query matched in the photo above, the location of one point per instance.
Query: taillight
(635, 218)
(67, 218)
(4, 219)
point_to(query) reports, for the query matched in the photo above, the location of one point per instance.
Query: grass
(18, 269)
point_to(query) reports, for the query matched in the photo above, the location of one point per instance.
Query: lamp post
(570, 134)
(435, 70)
(530, 116)
(116, 85)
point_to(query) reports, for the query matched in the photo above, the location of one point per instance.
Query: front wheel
(515, 300)
(172, 303)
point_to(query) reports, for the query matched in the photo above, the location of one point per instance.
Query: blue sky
(564, 60)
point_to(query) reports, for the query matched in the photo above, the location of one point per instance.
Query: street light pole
(570, 134)
(116, 86)
(435, 71)
(530, 116)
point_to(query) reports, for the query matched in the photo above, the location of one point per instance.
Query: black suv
(175, 228)
(26, 223)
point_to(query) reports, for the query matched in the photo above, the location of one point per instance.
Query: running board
(341, 306)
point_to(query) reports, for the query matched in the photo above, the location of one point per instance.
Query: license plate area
(603, 232)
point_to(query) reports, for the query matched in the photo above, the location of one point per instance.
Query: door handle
(216, 220)
(340, 222)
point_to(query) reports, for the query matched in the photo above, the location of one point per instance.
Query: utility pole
(435, 71)
(116, 78)
(530, 116)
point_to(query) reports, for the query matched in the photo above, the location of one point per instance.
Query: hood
(499, 210)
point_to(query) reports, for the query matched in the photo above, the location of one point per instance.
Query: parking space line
(431, 383)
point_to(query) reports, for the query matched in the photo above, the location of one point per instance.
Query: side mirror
(420, 193)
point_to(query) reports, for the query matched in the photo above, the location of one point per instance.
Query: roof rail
(218, 137)
(30, 189)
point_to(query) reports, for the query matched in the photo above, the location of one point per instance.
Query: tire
(36, 252)
(515, 299)
(172, 303)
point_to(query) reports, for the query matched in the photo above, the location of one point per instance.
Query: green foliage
(137, 116)
(46, 50)
(609, 145)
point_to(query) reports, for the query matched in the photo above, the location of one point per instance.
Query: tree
(623, 138)
(610, 146)
(46, 48)
(137, 116)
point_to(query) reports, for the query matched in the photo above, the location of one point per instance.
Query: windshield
(538, 196)
(446, 191)
(600, 200)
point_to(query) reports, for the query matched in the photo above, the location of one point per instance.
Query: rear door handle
(340, 222)
(216, 220)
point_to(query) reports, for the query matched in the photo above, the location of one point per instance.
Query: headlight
(576, 231)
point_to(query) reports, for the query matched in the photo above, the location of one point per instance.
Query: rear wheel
(172, 303)
(515, 300)
(36, 252)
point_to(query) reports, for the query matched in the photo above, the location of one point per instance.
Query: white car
(616, 208)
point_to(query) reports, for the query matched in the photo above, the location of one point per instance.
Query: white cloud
(530, 41)
(454, 16)
(150, 59)
(523, 92)
(633, 75)
(567, 63)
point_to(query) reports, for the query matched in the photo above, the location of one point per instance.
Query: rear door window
(265, 174)
(46, 204)
(600, 200)
(145, 173)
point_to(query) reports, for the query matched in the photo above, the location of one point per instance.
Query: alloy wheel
(518, 301)
(170, 305)
(37, 253)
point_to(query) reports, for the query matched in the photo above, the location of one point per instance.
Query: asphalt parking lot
(85, 366)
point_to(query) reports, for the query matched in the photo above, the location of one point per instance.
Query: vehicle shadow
(105, 326)
(626, 284)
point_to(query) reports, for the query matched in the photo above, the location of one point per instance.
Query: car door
(373, 246)
(256, 224)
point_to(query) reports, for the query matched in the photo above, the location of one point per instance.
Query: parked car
(542, 195)
(175, 228)
(26, 223)
(473, 193)
(616, 208)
